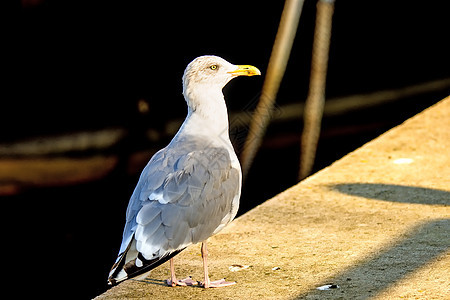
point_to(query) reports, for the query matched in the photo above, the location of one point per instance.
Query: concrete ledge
(376, 223)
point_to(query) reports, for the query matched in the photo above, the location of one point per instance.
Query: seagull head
(214, 72)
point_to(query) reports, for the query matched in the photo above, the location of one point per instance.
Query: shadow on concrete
(421, 246)
(395, 193)
(151, 281)
(164, 283)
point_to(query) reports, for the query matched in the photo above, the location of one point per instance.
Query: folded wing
(183, 196)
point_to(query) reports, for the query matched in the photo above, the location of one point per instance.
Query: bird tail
(132, 263)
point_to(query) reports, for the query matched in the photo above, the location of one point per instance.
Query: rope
(316, 96)
(275, 71)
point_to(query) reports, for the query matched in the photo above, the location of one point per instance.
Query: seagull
(189, 190)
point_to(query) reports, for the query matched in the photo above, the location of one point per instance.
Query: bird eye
(213, 67)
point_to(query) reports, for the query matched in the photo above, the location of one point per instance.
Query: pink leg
(208, 283)
(173, 279)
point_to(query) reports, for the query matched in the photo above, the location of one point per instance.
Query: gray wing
(194, 199)
(182, 198)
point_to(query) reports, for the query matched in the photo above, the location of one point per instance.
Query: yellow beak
(245, 70)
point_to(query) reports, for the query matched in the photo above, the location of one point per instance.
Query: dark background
(83, 65)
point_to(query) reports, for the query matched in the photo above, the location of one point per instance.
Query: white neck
(207, 113)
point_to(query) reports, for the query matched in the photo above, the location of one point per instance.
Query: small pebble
(235, 268)
(327, 287)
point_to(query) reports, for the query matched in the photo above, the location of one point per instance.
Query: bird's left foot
(217, 283)
(183, 282)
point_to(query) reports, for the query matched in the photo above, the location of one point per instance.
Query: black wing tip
(111, 281)
(132, 270)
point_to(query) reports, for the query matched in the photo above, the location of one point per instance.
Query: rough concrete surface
(376, 223)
